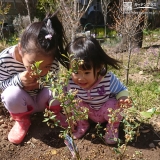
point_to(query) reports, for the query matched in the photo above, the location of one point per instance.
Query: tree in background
(115, 5)
(71, 13)
(31, 8)
(104, 6)
(129, 26)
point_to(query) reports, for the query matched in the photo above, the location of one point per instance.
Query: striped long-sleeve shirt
(98, 94)
(10, 69)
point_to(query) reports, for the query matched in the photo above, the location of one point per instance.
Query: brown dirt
(44, 143)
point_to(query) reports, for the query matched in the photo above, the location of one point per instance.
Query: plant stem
(124, 150)
(70, 132)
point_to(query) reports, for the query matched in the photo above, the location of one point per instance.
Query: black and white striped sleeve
(6, 79)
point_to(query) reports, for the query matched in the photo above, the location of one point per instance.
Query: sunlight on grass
(145, 95)
(144, 77)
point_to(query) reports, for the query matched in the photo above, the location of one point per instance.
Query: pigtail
(103, 57)
(49, 29)
(47, 36)
(60, 38)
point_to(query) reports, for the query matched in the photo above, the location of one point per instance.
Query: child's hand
(27, 79)
(124, 102)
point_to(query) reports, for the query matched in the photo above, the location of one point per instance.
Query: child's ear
(103, 71)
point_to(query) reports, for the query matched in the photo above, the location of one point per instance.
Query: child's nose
(81, 76)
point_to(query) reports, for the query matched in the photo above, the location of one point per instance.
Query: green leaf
(46, 120)
(65, 56)
(52, 117)
(146, 114)
(151, 111)
(37, 63)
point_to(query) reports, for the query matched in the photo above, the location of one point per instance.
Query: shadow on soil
(51, 136)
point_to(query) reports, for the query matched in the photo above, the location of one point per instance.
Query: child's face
(85, 78)
(29, 59)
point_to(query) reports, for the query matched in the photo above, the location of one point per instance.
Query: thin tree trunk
(129, 59)
(28, 10)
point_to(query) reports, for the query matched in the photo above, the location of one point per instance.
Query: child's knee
(111, 103)
(11, 94)
(12, 97)
(111, 108)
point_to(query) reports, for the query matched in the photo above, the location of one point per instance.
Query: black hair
(43, 39)
(90, 51)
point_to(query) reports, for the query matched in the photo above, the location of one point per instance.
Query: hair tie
(49, 29)
(48, 36)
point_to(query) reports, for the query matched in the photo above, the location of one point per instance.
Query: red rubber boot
(111, 136)
(21, 126)
(82, 127)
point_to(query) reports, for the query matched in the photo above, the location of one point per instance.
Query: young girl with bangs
(99, 89)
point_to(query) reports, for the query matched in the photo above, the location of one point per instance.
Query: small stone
(133, 144)
(2, 116)
(4, 126)
(5, 132)
(11, 119)
(1, 121)
(34, 140)
(152, 145)
(5, 138)
(53, 152)
(28, 142)
(140, 72)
